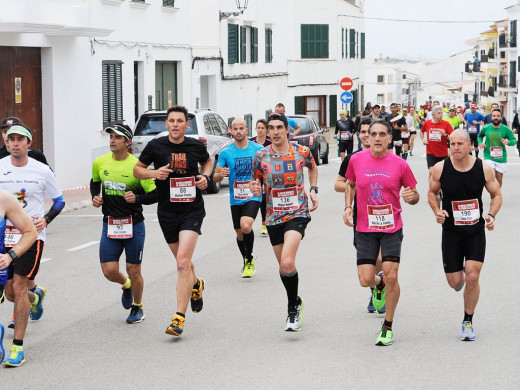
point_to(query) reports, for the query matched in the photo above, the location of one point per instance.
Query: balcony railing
(476, 67)
(505, 81)
(491, 53)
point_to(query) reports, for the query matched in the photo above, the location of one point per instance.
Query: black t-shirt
(267, 141)
(346, 126)
(33, 153)
(343, 173)
(396, 133)
(184, 160)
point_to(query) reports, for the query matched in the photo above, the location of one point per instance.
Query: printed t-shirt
(437, 143)
(495, 150)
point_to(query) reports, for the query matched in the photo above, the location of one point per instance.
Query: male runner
(488, 119)
(398, 126)
(121, 196)
(176, 159)
(281, 167)
(473, 120)
(497, 137)
(294, 127)
(462, 179)
(346, 129)
(434, 134)
(453, 119)
(4, 151)
(235, 161)
(375, 178)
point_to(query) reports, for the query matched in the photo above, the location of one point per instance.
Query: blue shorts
(110, 249)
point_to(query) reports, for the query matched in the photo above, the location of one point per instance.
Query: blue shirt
(240, 164)
(469, 117)
(487, 120)
(292, 124)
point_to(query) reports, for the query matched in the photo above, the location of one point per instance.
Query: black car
(312, 136)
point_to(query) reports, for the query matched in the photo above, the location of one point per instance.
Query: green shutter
(342, 43)
(362, 45)
(352, 48)
(314, 41)
(298, 105)
(267, 113)
(304, 41)
(243, 44)
(324, 41)
(254, 44)
(333, 110)
(346, 43)
(519, 63)
(232, 43)
(357, 45)
(268, 45)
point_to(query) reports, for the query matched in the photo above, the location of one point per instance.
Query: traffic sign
(346, 97)
(346, 83)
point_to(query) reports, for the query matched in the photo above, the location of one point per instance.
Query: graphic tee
(437, 143)
(284, 181)
(495, 150)
(240, 163)
(378, 185)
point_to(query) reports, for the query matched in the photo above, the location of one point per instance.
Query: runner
(262, 139)
(462, 179)
(453, 119)
(181, 208)
(405, 135)
(294, 127)
(4, 152)
(346, 129)
(235, 161)
(473, 120)
(498, 136)
(375, 178)
(488, 119)
(288, 213)
(434, 134)
(398, 124)
(413, 129)
(121, 197)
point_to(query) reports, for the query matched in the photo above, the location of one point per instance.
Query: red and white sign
(120, 227)
(346, 83)
(182, 189)
(465, 212)
(12, 236)
(241, 190)
(285, 199)
(380, 217)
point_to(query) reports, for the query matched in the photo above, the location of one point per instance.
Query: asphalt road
(238, 342)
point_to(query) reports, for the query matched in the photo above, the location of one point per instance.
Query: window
(232, 43)
(112, 92)
(230, 121)
(222, 124)
(333, 110)
(315, 41)
(352, 48)
(243, 44)
(362, 45)
(380, 78)
(248, 118)
(380, 98)
(254, 44)
(168, 3)
(404, 77)
(268, 45)
(267, 113)
(342, 43)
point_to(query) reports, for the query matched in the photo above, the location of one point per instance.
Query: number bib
(285, 199)
(472, 129)
(182, 189)
(241, 190)
(345, 136)
(465, 212)
(496, 152)
(405, 134)
(435, 135)
(380, 217)
(12, 236)
(120, 227)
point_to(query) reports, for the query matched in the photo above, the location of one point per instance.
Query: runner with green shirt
(453, 119)
(121, 196)
(497, 137)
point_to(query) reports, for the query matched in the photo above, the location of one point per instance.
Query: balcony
(476, 67)
(491, 54)
(505, 43)
(507, 82)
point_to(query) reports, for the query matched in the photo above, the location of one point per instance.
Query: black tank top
(460, 192)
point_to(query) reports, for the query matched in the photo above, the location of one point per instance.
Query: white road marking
(45, 259)
(77, 248)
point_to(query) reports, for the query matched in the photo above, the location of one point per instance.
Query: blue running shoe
(370, 306)
(36, 311)
(16, 358)
(127, 298)
(136, 315)
(2, 350)
(468, 334)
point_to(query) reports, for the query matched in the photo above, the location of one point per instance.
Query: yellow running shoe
(196, 296)
(249, 268)
(263, 230)
(176, 327)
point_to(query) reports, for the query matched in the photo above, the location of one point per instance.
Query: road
(238, 342)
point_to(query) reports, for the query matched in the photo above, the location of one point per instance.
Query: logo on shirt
(20, 195)
(105, 172)
(376, 172)
(7, 173)
(243, 166)
(179, 163)
(114, 188)
(377, 193)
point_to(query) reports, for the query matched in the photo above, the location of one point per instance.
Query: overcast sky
(427, 40)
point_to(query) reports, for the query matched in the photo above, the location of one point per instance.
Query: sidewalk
(75, 199)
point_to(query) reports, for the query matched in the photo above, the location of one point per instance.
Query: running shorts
(28, 264)
(248, 209)
(277, 232)
(110, 249)
(458, 247)
(368, 245)
(172, 223)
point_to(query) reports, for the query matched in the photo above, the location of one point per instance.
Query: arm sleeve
(95, 188)
(146, 156)
(481, 135)
(511, 137)
(204, 155)
(148, 198)
(52, 189)
(256, 167)
(57, 205)
(344, 165)
(222, 159)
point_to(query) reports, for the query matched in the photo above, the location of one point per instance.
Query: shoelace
(134, 310)
(292, 316)
(176, 322)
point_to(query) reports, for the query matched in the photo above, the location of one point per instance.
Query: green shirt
(494, 142)
(454, 122)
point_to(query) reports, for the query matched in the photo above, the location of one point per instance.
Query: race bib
(182, 189)
(405, 134)
(380, 217)
(120, 227)
(12, 236)
(435, 135)
(241, 190)
(398, 143)
(496, 152)
(285, 199)
(472, 129)
(465, 212)
(345, 136)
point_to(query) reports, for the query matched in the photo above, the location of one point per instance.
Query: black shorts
(172, 223)
(413, 132)
(406, 140)
(344, 146)
(431, 160)
(248, 209)
(368, 245)
(277, 232)
(458, 247)
(28, 264)
(474, 140)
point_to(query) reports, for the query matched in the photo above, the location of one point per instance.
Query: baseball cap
(7, 122)
(376, 106)
(473, 105)
(19, 129)
(276, 116)
(123, 130)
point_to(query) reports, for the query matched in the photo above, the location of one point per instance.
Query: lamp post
(241, 5)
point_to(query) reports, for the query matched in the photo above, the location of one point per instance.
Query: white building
(70, 67)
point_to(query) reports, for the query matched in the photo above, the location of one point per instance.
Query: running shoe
(36, 311)
(378, 296)
(127, 298)
(383, 310)
(176, 327)
(2, 294)
(196, 297)
(263, 230)
(249, 268)
(370, 306)
(16, 357)
(2, 350)
(386, 337)
(411, 154)
(468, 334)
(136, 315)
(11, 323)
(294, 317)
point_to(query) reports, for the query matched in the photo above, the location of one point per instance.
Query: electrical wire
(419, 21)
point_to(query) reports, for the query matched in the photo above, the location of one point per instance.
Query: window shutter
(333, 110)
(268, 45)
(352, 48)
(342, 43)
(324, 41)
(346, 43)
(243, 44)
(304, 41)
(254, 44)
(112, 91)
(232, 43)
(362, 45)
(357, 45)
(299, 109)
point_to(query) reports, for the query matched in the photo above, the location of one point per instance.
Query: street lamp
(241, 5)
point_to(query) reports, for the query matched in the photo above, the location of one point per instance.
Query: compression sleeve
(148, 198)
(57, 205)
(95, 188)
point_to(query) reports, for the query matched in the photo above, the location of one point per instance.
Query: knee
(472, 278)
(456, 284)
(184, 265)
(19, 288)
(390, 279)
(366, 282)
(246, 227)
(110, 273)
(287, 265)
(133, 272)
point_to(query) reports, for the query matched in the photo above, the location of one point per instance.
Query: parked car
(205, 125)
(313, 137)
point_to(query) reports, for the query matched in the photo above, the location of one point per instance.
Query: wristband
(13, 254)
(492, 215)
(207, 178)
(348, 207)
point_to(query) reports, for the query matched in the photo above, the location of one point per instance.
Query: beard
(496, 122)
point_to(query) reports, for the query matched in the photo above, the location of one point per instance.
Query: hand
(255, 187)
(475, 122)
(163, 172)
(39, 223)
(425, 141)
(224, 172)
(97, 201)
(408, 195)
(202, 182)
(129, 197)
(490, 222)
(482, 146)
(441, 216)
(505, 141)
(314, 200)
(5, 260)
(348, 216)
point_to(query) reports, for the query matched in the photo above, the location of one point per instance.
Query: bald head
(238, 122)
(460, 135)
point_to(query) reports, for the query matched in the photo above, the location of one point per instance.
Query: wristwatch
(207, 178)
(13, 255)
(492, 215)
(315, 188)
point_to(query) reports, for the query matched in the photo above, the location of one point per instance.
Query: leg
(393, 291)
(112, 273)
(21, 305)
(134, 273)
(472, 290)
(455, 280)
(246, 226)
(499, 176)
(367, 275)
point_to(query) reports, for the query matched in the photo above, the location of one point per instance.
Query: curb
(76, 206)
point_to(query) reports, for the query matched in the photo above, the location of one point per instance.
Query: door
(165, 84)
(315, 107)
(21, 88)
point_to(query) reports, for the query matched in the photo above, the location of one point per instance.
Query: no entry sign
(346, 83)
